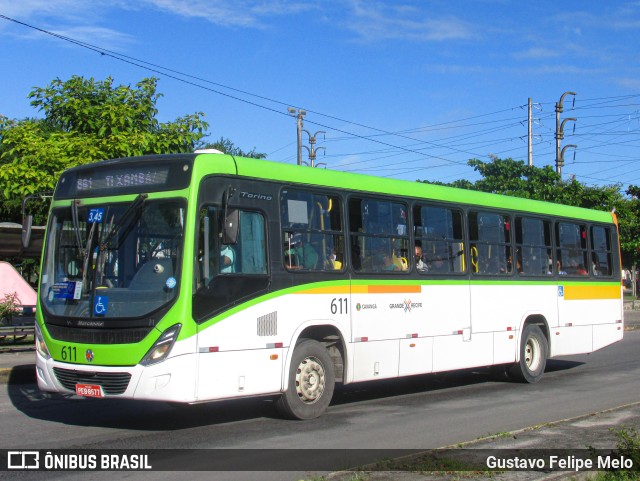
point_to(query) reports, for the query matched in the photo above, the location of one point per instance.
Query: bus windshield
(117, 260)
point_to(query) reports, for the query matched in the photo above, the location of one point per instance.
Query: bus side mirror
(27, 222)
(230, 231)
(231, 219)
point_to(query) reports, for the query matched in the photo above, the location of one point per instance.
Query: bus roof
(263, 169)
(208, 163)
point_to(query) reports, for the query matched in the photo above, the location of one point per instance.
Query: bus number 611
(339, 306)
(68, 353)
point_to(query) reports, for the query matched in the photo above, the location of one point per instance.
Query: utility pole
(299, 115)
(312, 150)
(530, 136)
(560, 132)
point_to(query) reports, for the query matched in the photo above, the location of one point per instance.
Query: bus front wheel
(311, 382)
(533, 356)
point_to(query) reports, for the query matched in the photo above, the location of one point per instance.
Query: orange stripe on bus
(364, 289)
(578, 293)
(392, 289)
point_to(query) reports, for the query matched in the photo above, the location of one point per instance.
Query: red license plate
(89, 390)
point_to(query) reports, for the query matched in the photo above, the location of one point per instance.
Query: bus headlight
(41, 346)
(160, 350)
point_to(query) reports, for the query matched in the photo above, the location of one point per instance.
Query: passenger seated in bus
(227, 259)
(420, 265)
(383, 262)
(560, 271)
(595, 265)
(332, 262)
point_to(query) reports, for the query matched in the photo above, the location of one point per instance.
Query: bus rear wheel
(533, 356)
(311, 382)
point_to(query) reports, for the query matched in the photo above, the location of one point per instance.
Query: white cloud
(240, 13)
(77, 19)
(373, 20)
(631, 83)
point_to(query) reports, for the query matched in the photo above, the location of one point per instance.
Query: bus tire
(311, 382)
(533, 356)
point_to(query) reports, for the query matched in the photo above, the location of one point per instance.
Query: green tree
(630, 227)
(228, 147)
(85, 120)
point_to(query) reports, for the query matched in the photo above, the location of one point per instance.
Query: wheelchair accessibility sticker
(560, 291)
(100, 305)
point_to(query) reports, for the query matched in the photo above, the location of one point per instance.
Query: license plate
(89, 390)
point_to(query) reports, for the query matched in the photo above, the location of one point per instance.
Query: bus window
(311, 231)
(571, 244)
(439, 236)
(533, 247)
(379, 240)
(490, 239)
(601, 257)
(246, 256)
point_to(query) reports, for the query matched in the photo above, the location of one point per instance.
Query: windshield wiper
(86, 255)
(126, 221)
(76, 225)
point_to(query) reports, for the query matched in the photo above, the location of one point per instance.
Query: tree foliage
(515, 178)
(228, 147)
(85, 120)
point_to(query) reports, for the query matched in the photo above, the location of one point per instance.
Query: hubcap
(532, 354)
(310, 380)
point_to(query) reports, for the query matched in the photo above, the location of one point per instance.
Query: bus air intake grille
(268, 324)
(111, 382)
(98, 336)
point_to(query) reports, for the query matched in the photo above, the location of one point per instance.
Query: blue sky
(404, 89)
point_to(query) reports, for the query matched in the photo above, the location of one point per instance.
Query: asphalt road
(421, 412)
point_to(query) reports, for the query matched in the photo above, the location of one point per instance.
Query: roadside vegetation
(628, 445)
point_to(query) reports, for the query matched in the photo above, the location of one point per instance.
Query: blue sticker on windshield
(100, 304)
(171, 282)
(65, 290)
(95, 215)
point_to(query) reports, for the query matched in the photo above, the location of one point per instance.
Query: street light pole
(560, 130)
(299, 115)
(313, 150)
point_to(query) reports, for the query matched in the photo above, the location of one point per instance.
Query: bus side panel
(239, 373)
(606, 334)
(454, 352)
(500, 307)
(446, 309)
(238, 356)
(504, 307)
(505, 347)
(416, 356)
(571, 340)
(375, 360)
(584, 312)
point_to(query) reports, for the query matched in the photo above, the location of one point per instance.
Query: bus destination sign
(147, 176)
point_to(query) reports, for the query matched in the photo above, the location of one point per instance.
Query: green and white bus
(199, 277)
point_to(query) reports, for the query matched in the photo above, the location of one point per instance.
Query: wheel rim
(532, 354)
(310, 380)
